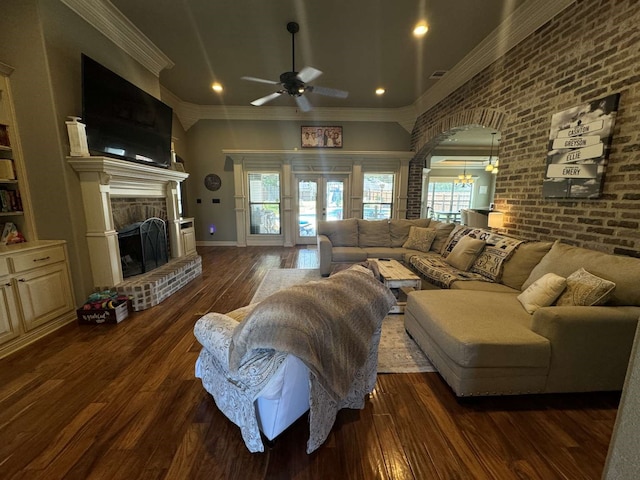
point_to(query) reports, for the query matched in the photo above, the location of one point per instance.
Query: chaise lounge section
(483, 341)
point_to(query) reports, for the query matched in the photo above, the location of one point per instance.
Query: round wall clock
(212, 182)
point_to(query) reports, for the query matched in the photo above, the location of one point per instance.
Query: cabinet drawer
(37, 258)
(4, 268)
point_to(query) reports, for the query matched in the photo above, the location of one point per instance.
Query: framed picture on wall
(579, 143)
(321, 137)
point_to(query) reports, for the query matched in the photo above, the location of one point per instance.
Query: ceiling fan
(295, 83)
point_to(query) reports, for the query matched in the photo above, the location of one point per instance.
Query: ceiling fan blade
(260, 80)
(328, 92)
(308, 74)
(303, 103)
(265, 99)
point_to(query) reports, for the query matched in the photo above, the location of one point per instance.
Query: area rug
(398, 353)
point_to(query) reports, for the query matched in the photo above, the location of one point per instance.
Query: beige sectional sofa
(354, 240)
(471, 323)
(483, 342)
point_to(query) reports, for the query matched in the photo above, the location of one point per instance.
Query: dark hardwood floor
(121, 402)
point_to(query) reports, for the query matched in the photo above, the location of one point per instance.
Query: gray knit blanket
(328, 324)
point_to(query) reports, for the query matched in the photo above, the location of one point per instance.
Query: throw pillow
(543, 292)
(585, 289)
(443, 230)
(465, 253)
(420, 238)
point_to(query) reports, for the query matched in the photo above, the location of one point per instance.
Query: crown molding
(190, 113)
(5, 69)
(514, 29)
(108, 20)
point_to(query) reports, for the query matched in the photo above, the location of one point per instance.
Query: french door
(319, 197)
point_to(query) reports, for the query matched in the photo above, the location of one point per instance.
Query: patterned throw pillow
(543, 292)
(585, 289)
(420, 238)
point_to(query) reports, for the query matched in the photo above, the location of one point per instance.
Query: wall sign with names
(579, 142)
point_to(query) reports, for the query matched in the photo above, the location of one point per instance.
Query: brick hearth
(149, 289)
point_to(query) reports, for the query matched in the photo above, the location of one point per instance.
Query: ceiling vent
(438, 74)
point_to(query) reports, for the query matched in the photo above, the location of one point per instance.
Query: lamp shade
(496, 219)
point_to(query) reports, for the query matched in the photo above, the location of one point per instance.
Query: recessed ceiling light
(380, 91)
(216, 87)
(421, 29)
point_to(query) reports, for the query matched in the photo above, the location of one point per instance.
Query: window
(377, 197)
(264, 203)
(446, 196)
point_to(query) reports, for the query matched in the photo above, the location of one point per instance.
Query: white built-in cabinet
(35, 284)
(36, 296)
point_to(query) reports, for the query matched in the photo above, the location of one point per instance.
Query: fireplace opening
(143, 246)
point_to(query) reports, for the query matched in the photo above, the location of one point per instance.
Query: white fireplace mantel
(102, 178)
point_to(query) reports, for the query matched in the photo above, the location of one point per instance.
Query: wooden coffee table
(399, 279)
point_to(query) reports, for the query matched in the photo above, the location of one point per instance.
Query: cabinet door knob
(7, 284)
(22, 280)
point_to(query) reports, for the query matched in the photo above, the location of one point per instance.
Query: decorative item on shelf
(464, 179)
(213, 182)
(9, 234)
(489, 167)
(496, 220)
(4, 136)
(77, 137)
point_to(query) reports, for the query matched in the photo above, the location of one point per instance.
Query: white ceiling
(358, 44)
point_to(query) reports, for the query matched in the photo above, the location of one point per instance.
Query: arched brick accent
(427, 134)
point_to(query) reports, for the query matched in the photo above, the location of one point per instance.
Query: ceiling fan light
(380, 91)
(216, 87)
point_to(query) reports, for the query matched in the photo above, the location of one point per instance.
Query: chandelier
(493, 167)
(464, 179)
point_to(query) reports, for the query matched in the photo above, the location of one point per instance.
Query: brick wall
(589, 51)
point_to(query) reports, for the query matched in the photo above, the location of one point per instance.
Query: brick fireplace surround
(105, 181)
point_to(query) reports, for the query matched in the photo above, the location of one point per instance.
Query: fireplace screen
(143, 246)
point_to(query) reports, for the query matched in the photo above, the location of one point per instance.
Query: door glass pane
(264, 203)
(335, 200)
(307, 207)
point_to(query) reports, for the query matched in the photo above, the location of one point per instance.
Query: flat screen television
(122, 120)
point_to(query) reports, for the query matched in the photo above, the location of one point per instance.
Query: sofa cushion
(517, 269)
(373, 233)
(565, 259)
(484, 331)
(443, 230)
(584, 289)
(342, 233)
(483, 286)
(543, 292)
(465, 253)
(399, 229)
(348, 254)
(420, 239)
